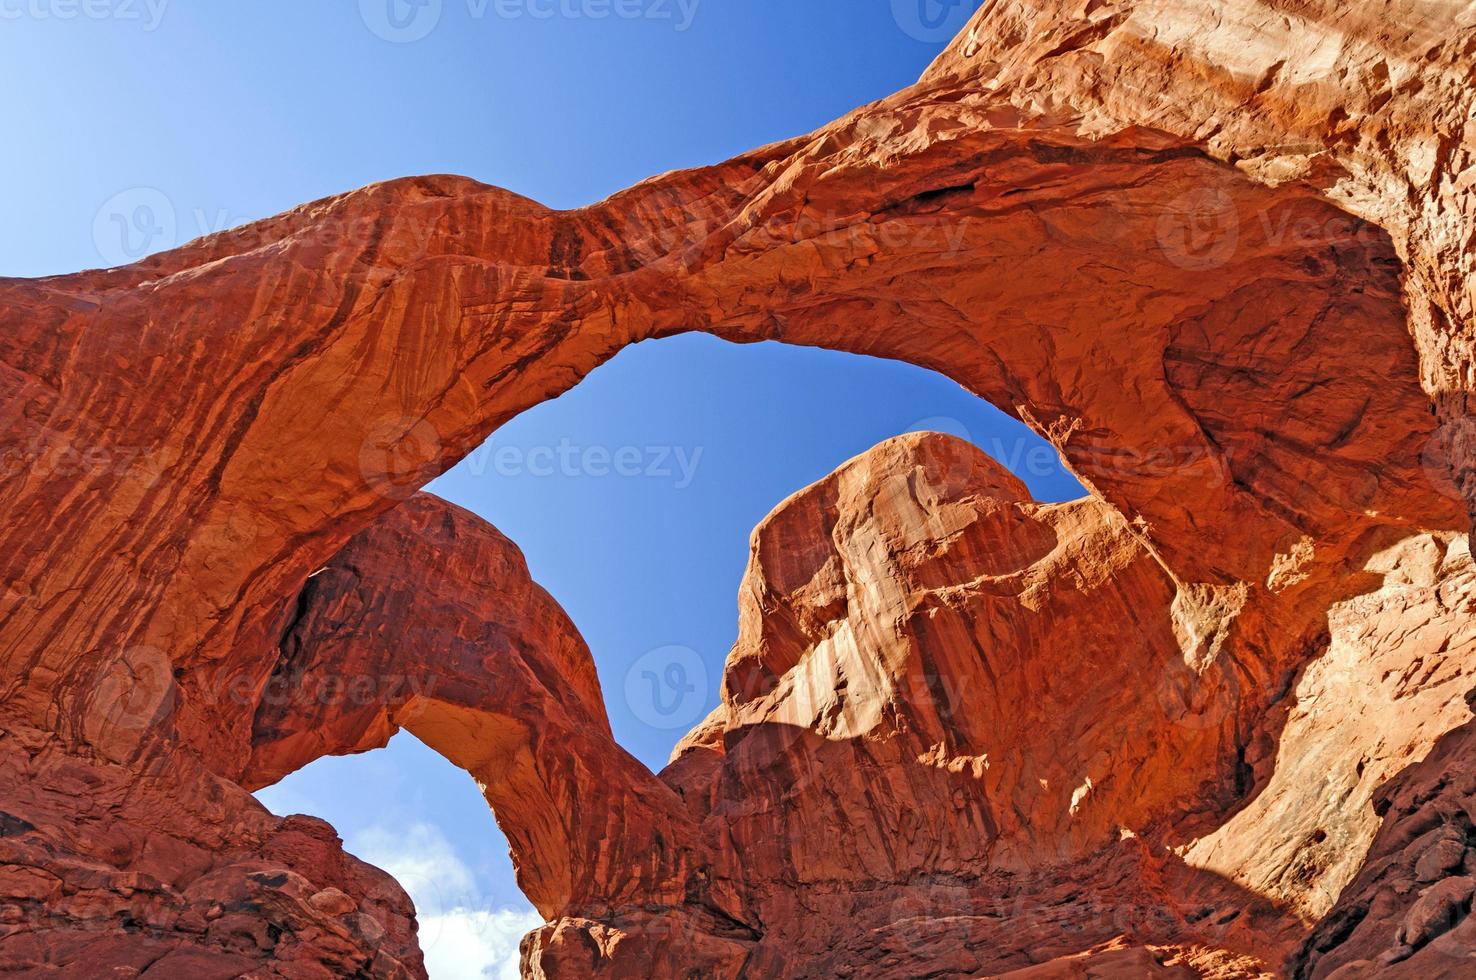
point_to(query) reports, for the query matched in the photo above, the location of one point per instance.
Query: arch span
(271, 390)
(496, 679)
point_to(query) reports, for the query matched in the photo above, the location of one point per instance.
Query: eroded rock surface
(932, 755)
(1218, 254)
(165, 870)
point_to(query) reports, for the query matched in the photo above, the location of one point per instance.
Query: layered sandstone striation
(1219, 255)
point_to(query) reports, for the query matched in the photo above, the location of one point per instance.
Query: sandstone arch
(1270, 418)
(444, 338)
(484, 667)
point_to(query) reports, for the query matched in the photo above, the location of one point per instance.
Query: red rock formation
(166, 870)
(1406, 913)
(1369, 103)
(1218, 255)
(481, 665)
(945, 702)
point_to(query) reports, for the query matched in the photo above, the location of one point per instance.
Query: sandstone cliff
(1209, 721)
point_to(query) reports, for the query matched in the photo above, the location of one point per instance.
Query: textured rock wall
(1406, 913)
(1218, 254)
(167, 870)
(942, 695)
(1368, 102)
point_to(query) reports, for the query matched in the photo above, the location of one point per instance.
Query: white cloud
(423, 862)
(461, 939)
(466, 944)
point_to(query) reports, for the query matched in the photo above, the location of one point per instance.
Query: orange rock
(484, 667)
(1218, 255)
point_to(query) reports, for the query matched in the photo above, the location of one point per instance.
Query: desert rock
(1209, 720)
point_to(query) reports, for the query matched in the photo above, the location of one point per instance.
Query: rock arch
(1248, 332)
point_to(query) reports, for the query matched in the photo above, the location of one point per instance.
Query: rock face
(1209, 721)
(926, 731)
(167, 870)
(961, 733)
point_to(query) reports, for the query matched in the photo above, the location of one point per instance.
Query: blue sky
(211, 116)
